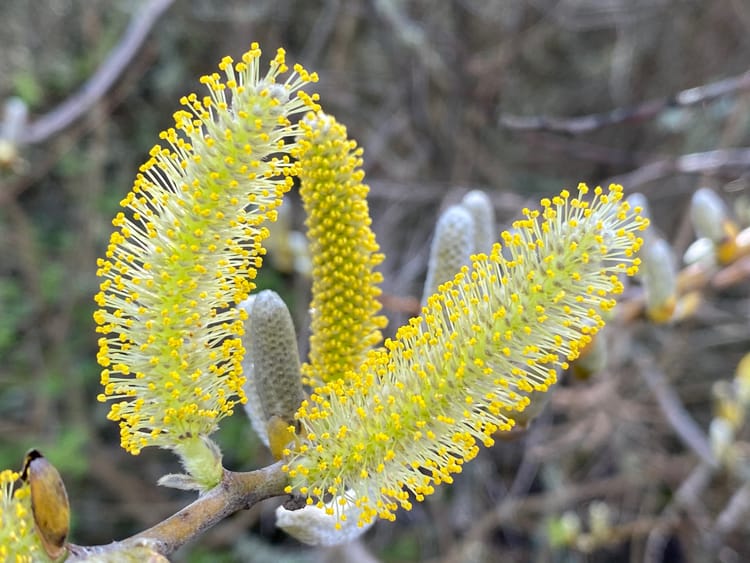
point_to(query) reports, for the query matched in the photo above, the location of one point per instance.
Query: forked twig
(105, 76)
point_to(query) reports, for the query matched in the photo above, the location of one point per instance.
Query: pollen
(345, 323)
(458, 373)
(187, 246)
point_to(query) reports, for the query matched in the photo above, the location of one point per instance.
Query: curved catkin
(187, 248)
(452, 245)
(415, 412)
(345, 290)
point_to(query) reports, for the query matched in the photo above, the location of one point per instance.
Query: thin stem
(642, 112)
(105, 76)
(237, 491)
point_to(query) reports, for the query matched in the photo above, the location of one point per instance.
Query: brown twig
(732, 162)
(78, 104)
(237, 491)
(637, 113)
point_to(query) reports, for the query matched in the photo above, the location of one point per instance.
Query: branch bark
(641, 112)
(237, 491)
(105, 76)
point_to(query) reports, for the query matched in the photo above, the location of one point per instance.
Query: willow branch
(105, 76)
(237, 491)
(637, 113)
(732, 162)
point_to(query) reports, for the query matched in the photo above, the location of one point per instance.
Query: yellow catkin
(414, 413)
(345, 288)
(187, 247)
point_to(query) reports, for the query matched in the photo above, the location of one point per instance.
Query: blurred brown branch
(728, 162)
(637, 113)
(78, 104)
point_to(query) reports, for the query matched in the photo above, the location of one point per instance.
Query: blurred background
(519, 98)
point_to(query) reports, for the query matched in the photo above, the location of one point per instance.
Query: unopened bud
(707, 212)
(727, 404)
(600, 525)
(317, 526)
(452, 245)
(721, 435)
(659, 279)
(571, 526)
(711, 220)
(480, 206)
(253, 407)
(15, 116)
(49, 503)
(276, 368)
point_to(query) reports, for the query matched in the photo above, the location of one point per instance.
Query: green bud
(317, 526)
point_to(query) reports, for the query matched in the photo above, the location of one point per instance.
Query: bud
(570, 525)
(727, 404)
(49, 503)
(276, 369)
(480, 206)
(721, 437)
(14, 120)
(452, 245)
(659, 278)
(711, 220)
(600, 521)
(702, 253)
(253, 406)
